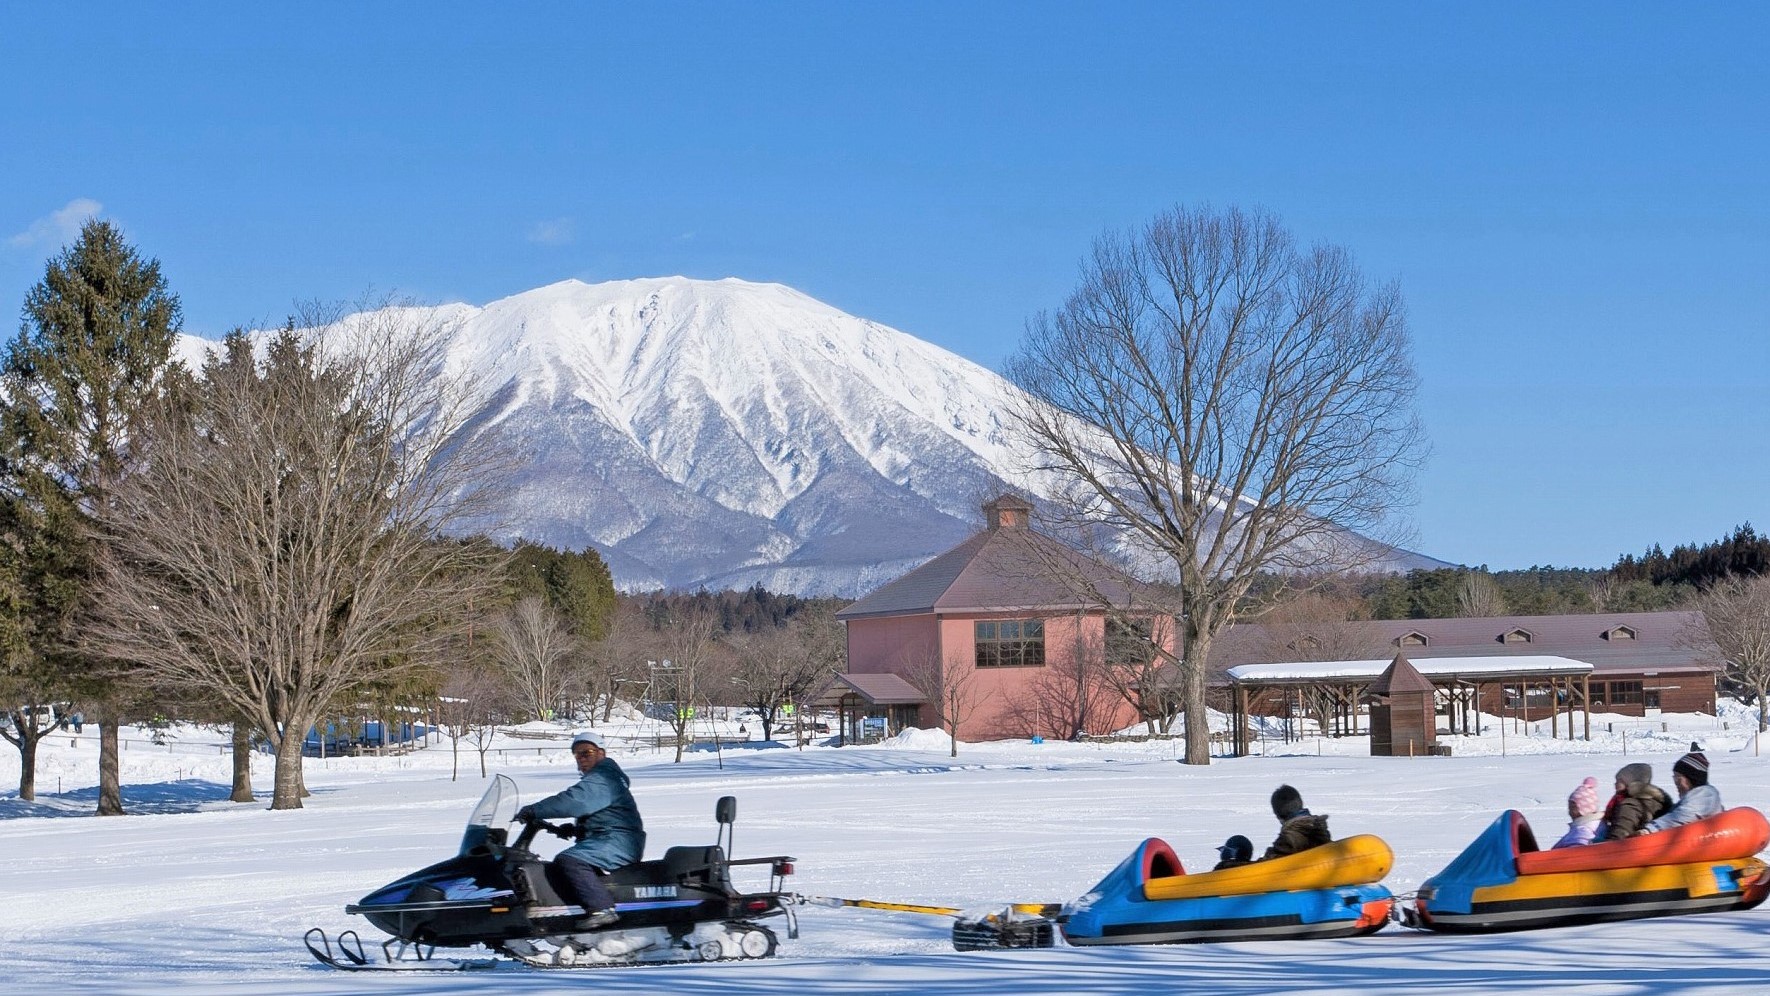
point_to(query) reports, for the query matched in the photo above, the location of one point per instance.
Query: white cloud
(58, 228)
(553, 232)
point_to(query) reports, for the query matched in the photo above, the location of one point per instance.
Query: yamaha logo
(654, 892)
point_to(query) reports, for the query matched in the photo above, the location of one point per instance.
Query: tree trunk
(242, 764)
(287, 789)
(454, 759)
(1192, 671)
(953, 731)
(27, 767)
(110, 789)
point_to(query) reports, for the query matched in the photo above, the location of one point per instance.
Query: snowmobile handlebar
(533, 825)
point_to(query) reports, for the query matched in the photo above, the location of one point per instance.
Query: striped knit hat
(1693, 766)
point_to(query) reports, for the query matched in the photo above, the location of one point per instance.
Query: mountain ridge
(725, 433)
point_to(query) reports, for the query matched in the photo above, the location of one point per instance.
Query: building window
(1626, 693)
(1516, 636)
(1011, 643)
(1411, 640)
(1536, 697)
(1620, 633)
(1128, 643)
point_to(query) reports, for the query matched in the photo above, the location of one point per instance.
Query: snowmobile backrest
(726, 809)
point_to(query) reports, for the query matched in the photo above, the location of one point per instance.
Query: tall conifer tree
(95, 344)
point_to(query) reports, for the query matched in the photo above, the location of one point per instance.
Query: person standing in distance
(613, 835)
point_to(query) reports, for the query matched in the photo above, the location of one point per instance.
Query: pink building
(994, 631)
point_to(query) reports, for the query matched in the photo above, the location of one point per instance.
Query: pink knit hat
(1585, 798)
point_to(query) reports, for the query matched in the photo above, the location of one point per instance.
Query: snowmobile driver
(613, 835)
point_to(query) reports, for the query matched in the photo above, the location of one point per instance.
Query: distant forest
(1655, 580)
(749, 611)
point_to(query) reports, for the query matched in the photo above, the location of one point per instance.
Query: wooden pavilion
(1463, 688)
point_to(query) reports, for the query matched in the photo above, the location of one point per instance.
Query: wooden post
(1241, 720)
(1586, 695)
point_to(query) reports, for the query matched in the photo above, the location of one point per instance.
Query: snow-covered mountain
(727, 433)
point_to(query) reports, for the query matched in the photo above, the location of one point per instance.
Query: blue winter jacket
(1701, 802)
(614, 835)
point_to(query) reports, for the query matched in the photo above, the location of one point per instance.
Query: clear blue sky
(1576, 199)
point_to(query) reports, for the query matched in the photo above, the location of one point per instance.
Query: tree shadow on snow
(152, 799)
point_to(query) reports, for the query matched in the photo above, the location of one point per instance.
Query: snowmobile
(498, 893)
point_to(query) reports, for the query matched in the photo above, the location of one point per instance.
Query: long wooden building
(1642, 663)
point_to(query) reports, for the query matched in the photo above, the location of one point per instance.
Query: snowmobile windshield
(499, 798)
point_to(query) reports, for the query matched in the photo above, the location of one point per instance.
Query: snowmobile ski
(413, 958)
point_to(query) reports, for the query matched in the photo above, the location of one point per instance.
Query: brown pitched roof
(1401, 676)
(876, 688)
(1006, 569)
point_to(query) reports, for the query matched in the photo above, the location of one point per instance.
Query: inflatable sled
(1327, 891)
(1502, 882)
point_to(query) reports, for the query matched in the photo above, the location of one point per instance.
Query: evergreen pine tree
(95, 343)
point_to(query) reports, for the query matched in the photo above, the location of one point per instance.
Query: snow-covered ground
(199, 895)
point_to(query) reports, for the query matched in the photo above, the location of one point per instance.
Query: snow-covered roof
(1539, 666)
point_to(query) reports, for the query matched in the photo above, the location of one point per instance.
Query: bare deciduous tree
(1478, 597)
(615, 664)
(280, 547)
(950, 686)
(1072, 695)
(538, 655)
(473, 699)
(1228, 402)
(1314, 625)
(686, 673)
(1737, 610)
(1138, 667)
(778, 667)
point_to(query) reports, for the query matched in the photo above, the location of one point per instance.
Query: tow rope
(1030, 909)
(999, 925)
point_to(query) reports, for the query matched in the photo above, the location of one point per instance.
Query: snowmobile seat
(703, 863)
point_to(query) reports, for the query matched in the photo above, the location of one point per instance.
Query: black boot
(596, 920)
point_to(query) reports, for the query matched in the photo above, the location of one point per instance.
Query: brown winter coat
(1299, 833)
(1634, 807)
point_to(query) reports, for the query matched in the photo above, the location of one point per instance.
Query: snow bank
(913, 738)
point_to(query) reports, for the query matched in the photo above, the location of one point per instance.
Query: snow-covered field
(198, 895)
